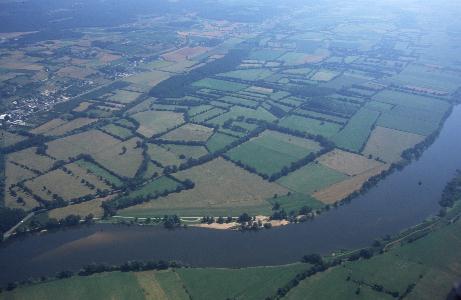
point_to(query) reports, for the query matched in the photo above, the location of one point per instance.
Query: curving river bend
(396, 203)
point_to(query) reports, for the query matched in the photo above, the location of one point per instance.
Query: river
(395, 203)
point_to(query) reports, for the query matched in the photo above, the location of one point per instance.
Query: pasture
(310, 126)
(218, 141)
(347, 163)
(189, 132)
(156, 122)
(311, 178)
(271, 151)
(220, 85)
(220, 186)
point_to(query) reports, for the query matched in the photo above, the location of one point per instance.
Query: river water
(396, 203)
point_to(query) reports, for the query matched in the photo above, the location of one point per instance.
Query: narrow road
(7, 234)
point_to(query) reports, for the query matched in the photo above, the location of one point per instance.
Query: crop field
(218, 185)
(82, 106)
(218, 141)
(407, 124)
(120, 132)
(311, 178)
(82, 173)
(8, 138)
(347, 163)
(220, 85)
(266, 54)
(271, 151)
(54, 123)
(189, 132)
(388, 144)
(311, 126)
(410, 100)
(239, 101)
(156, 122)
(342, 189)
(355, 134)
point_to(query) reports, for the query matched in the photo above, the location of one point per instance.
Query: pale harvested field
(163, 156)
(388, 144)
(122, 96)
(69, 126)
(149, 79)
(59, 182)
(184, 53)
(189, 132)
(75, 72)
(344, 188)
(348, 163)
(82, 106)
(48, 126)
(218, 183)
(88, 142)
(155, 122)
(82, 209)
(29, 158)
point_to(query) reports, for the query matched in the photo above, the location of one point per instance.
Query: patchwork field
(388, 144)
(156, 122)
(311, 126)
(220, 85)
(218, 185)
(271, 151)
(29, 158)
(341, 190)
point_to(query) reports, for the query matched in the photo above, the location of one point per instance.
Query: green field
(311, 178)
(248, 74)
(119, 132)
(220, 85)
(237, 111)
(266, 54)
(355, 134)
(239, 101)
(98, 171)
(311, 126)
(296, 201)
(271, 151)
(218, 141)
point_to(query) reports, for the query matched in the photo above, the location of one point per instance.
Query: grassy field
(431, 263)
(311, 126)
(271, 151)
(69, 126)
(324, 75)
(123, 96)
(187, 151)
(209, 114)
(239, 101)
(388, 144)
(28, 157)
(118, 131)
(82, 209)
(156, 122)
(248, 74)
(58, 182)
(219, 187)
(355, 134)
(266, 54)
(163, 156)
(9, 138)
(45, 127)
(237, 111)
(218, 141)
(410, 100)
(296, 201)
(189, 132)
(220, 85)
(311, 178)
(248, 283)
(100, 172)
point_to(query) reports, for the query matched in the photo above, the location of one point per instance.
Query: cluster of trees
(10, 217)
(219, 220)
(180, 85)
(451, 192)
(171, 222)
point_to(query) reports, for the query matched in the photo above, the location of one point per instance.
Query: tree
(314, 259)
(243, 218)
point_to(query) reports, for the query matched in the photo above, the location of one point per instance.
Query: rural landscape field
(151, 149)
